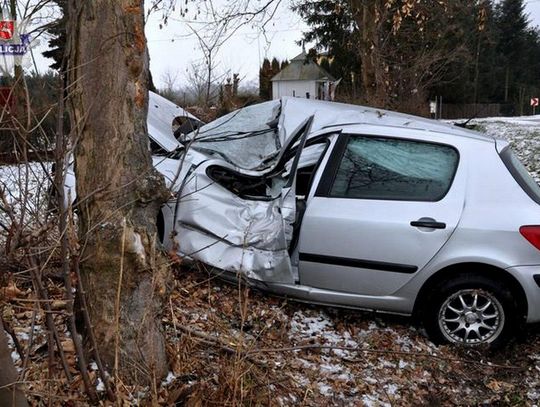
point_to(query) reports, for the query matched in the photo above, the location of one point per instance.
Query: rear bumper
(528, 278)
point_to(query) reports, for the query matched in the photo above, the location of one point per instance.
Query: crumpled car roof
(330, 114)
(247, 138)
(161, 113)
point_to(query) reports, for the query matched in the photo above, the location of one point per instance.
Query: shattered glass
(247, 138)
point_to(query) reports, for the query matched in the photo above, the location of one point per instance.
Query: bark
(11, 394)
(368, 16)
(119, 191)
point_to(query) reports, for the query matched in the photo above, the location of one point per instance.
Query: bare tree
(170, 82)
(405, 47)
(215, 24)
(119, 193)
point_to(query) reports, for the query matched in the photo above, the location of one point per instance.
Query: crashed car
(358, 207)
(362, 208)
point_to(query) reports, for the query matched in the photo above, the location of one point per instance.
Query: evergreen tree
(275, 65)
(334, 32)
(57, 43)
(517, 43)
(265, 85)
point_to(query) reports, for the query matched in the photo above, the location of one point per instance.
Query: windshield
(247, 138)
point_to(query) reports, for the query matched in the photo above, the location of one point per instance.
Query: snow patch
(169, 379)
(137, 246)
(100, 387)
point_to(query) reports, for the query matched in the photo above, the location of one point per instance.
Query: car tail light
(532, 234)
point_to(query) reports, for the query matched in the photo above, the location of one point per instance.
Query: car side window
(394, 169)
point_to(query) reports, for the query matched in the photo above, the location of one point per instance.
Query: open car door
(241, 220)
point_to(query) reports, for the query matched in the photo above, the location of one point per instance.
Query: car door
(382, 208)
(241, 220)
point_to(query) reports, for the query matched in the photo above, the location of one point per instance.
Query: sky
(174, 49)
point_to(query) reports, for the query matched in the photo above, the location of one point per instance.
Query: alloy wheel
(471, 317)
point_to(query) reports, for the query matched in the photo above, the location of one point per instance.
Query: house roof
(302, 68)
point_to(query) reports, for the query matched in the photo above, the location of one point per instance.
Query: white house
(305, 79)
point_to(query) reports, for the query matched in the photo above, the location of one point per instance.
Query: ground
(230, 345)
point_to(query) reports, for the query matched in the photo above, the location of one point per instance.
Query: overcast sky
(173, 50)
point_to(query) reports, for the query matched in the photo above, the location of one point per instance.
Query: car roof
(341, 115)
(161, 113)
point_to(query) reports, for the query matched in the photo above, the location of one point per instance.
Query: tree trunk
(119, 193)
(10, 393)
(374, 76)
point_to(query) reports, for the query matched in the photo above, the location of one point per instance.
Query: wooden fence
(475, 110)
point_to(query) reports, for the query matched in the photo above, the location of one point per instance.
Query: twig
(383, 352)
(30, 342)
(210, 340)
(117, 302)
(248, 353)
(53, 332)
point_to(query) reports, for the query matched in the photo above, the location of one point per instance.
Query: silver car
(358, 207)
(363, 208)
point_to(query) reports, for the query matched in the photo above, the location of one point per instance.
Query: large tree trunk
(118, 191)
(10, 393)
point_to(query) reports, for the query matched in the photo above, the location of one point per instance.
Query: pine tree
(265, 74)
(335, 32)
(513, 48)
(57, 43)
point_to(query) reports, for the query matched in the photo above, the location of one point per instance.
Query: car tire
(470, 310)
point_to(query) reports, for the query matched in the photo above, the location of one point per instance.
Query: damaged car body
(362, 208)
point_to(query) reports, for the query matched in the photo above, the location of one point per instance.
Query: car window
(395, 169)
(520, 174)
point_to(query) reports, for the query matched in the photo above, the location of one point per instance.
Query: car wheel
(470, 311)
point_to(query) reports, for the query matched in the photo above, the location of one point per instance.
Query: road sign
(534, 102)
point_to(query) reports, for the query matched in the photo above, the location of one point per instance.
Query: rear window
(520, 174)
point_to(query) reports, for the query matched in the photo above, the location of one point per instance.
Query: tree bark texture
(118, 191)
(369, 16)
(11, 394)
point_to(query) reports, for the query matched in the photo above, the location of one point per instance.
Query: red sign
(534, 102)
(7, 28)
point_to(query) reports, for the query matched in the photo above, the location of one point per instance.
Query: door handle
(428, 223)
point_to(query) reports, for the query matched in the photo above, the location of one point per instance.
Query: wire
(188, 37)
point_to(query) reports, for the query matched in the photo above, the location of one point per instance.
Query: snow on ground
(523, 133)
(383, 360)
